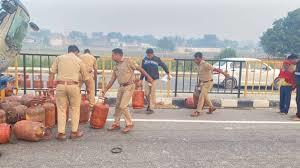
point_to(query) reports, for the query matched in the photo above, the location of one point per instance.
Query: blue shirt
(151, 67)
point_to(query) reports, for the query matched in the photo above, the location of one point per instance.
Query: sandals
(127, 129)
(61, 137)
(114, 127)
(76, 135)
(195, 114)
(211, 110)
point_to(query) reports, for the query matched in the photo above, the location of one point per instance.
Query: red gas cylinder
(84, 110)
(22, 76)
(13, 99)
(38, 84)
(35, 113)
(49, 114)
(138, 99)
(2, 116)
(15, 114)
(54, 84)
(29, 130)
(27, 99)
(9, 91)
(5, 133)
(6, 105)
(99, 114)
(189, 103)
(21, 83)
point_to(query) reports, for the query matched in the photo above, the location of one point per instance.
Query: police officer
(91, 66)
(150, 64)
(205, 84)
(123, 71)
(68, 69)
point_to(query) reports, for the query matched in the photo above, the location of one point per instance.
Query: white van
(259, 74)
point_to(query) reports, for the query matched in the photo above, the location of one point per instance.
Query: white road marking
(213, 121)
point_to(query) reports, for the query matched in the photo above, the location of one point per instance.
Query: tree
(227, 53)
(284, 37)
(76, 35)
(208, 40)
(150, 39)
(97, 35)
(166, 44)
(115, 35)
(230, 44)
(43, 35)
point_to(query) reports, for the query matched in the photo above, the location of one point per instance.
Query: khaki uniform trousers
(68, 96)
(90, 92)
(203, 97)
(123, 98)
(150, 92)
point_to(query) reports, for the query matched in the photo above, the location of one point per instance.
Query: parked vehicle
(258, 73)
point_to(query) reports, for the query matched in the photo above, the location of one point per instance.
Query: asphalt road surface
(245, 138)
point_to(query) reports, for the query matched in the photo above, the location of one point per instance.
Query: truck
(14, 24)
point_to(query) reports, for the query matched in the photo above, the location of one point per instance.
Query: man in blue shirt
(150, 64)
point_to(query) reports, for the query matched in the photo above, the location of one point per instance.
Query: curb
(221, 103)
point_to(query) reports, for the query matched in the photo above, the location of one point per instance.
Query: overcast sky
(231, 19)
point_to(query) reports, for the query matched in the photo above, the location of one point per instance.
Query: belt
(67, 83)
(206, 81)
(126, 84)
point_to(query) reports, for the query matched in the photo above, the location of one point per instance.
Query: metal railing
(32, 71)
(261, 77)
(186, 76)
(250, 77)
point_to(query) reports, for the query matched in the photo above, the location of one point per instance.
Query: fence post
(176, 80)
(96, 81)
(24, 73)
(240, 79)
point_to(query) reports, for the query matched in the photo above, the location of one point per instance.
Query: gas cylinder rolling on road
(29, 130)
(5, 133)
(138, 96)
(99, 114)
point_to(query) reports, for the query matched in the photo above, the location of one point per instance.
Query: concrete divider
(229, 103)
(219, 103)
(261, 103)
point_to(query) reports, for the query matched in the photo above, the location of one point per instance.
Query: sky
(230, 19)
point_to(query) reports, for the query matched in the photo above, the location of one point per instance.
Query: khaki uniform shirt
(69, 67)
(124, 71)
(89, 61)
(205, 71)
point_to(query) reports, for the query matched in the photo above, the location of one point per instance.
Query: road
(169, 139)
(184, 84)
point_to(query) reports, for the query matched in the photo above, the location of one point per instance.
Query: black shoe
(149, 111)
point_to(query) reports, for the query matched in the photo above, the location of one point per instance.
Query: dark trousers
(298, 101)
(285, 98)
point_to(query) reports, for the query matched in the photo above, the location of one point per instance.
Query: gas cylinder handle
(43, 132)
(104, 99)
(34, 102)
(45, 93)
